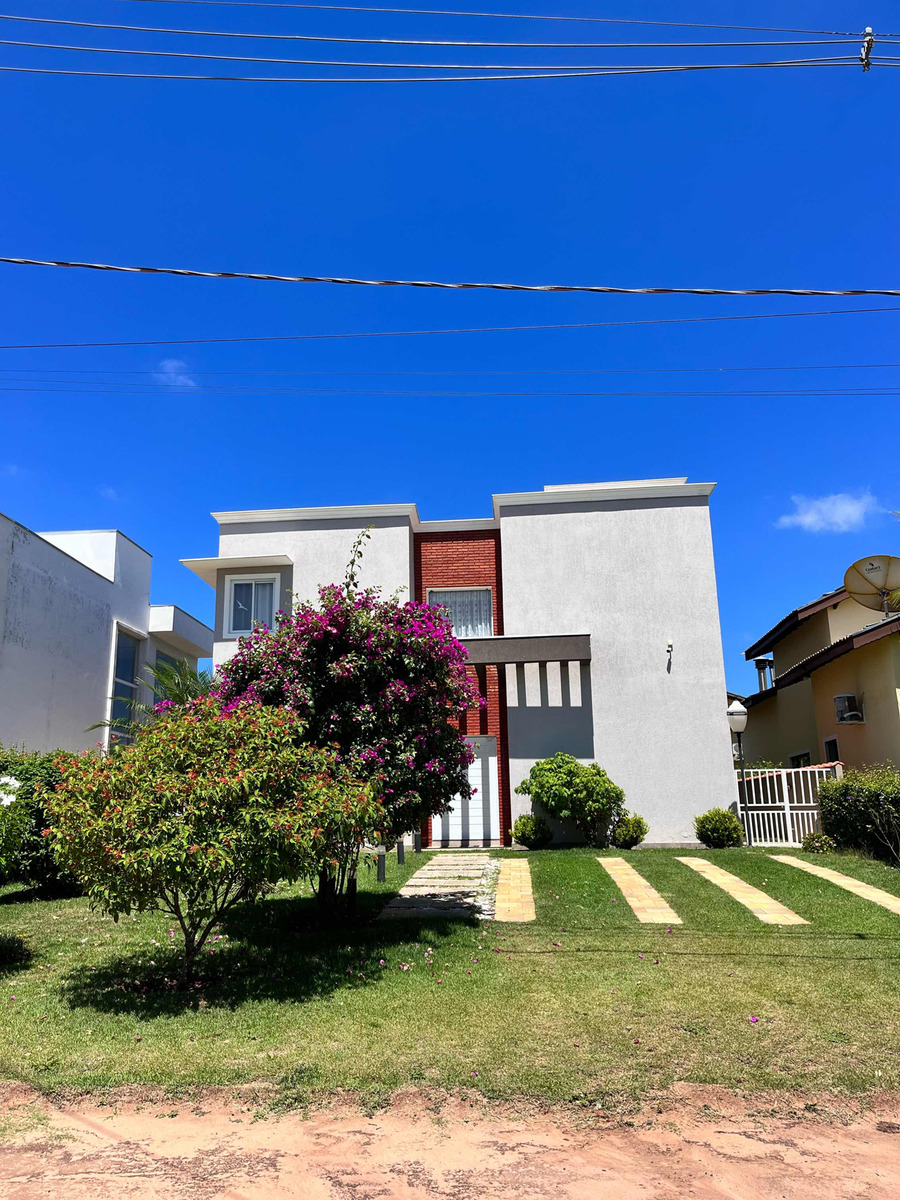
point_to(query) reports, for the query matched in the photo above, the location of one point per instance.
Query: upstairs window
(125, 684)
(471, 610)
(249, 601)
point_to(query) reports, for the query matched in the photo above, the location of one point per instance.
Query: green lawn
(583, 1004)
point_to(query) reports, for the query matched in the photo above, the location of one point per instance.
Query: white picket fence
(781, 805)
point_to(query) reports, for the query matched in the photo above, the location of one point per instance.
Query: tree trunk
(326, 896)
(190, 956)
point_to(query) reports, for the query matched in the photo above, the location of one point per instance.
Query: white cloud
(838, 513)
(173, 372)
(109, 493)
(11, 470)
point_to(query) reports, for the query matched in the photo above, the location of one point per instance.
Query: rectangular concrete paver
(761, 905)
(865, 890)
(515, 899)
(645, 901)
(449, 885)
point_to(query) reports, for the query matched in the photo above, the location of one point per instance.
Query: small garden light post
(737, 720)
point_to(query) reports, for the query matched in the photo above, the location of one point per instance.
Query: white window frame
(230, 580)
(139, 681)
(485, 587)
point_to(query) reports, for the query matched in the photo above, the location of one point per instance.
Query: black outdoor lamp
(737, 720)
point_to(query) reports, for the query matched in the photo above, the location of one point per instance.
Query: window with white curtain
(470, 609)
(249, 601)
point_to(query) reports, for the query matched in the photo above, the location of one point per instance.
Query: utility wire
(306, 37)
(37, 371)
(443, 12)
(318, 337)
(560, 74)
(330, 62)
(601, 289)
(809, 393)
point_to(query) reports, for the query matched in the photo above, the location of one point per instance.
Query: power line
(306, 37)
(431, 374)
(317, 337)
(327, 62)
(809, 393)
(330, 62)
(601, 289)
(443, 12)
(495, 78)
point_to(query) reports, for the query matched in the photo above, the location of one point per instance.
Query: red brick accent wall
(471, 558)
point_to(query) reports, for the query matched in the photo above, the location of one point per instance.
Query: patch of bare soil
(694, 1142)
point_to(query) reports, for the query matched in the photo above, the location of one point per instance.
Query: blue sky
(734, 179)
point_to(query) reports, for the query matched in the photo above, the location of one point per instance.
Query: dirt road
(705, 1143)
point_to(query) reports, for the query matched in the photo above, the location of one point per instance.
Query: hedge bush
(862, 810)
(570, 790)
(629, 832)
(13, 817)
(719, 829)
(34, 862)
(531, 831)
(818, 843)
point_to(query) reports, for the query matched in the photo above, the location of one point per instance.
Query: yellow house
(829, 677)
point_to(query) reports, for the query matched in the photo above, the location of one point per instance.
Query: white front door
(474, 822)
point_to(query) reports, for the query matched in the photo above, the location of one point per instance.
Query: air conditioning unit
(848, 709)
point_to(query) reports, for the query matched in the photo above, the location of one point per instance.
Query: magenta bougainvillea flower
(382, 680)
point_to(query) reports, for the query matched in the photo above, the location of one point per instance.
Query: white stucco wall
(56, 631)
(633, 574)
(59, 614)
(320, 551)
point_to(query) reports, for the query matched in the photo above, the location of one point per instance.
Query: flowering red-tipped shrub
(381, 679)
(204, 810)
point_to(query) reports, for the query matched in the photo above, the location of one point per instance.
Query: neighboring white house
(76, 630)
(590, 617)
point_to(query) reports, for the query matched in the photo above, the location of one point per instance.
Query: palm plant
(171, 679)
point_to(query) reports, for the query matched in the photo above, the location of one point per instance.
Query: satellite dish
(875, 583)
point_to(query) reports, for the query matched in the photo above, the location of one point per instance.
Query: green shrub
(34, 862)
(629, 832)
(862, 810)
(570, 790)
(818, 843)
(13, 820)
(531, 831)
(719, 829)
(205, 810)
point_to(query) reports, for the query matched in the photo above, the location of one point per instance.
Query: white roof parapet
(651, 489)
(329, 513)
(575, 493)
(174, 627)
(622, 483)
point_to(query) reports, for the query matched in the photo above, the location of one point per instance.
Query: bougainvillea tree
(380, 678)
(204, 810)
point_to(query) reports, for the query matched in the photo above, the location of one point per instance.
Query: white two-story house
(590, 617)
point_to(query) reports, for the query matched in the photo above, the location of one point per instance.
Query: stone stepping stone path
(515, 899)
(865, 890)
(644, 901)
(452, 886)
(761, 905)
